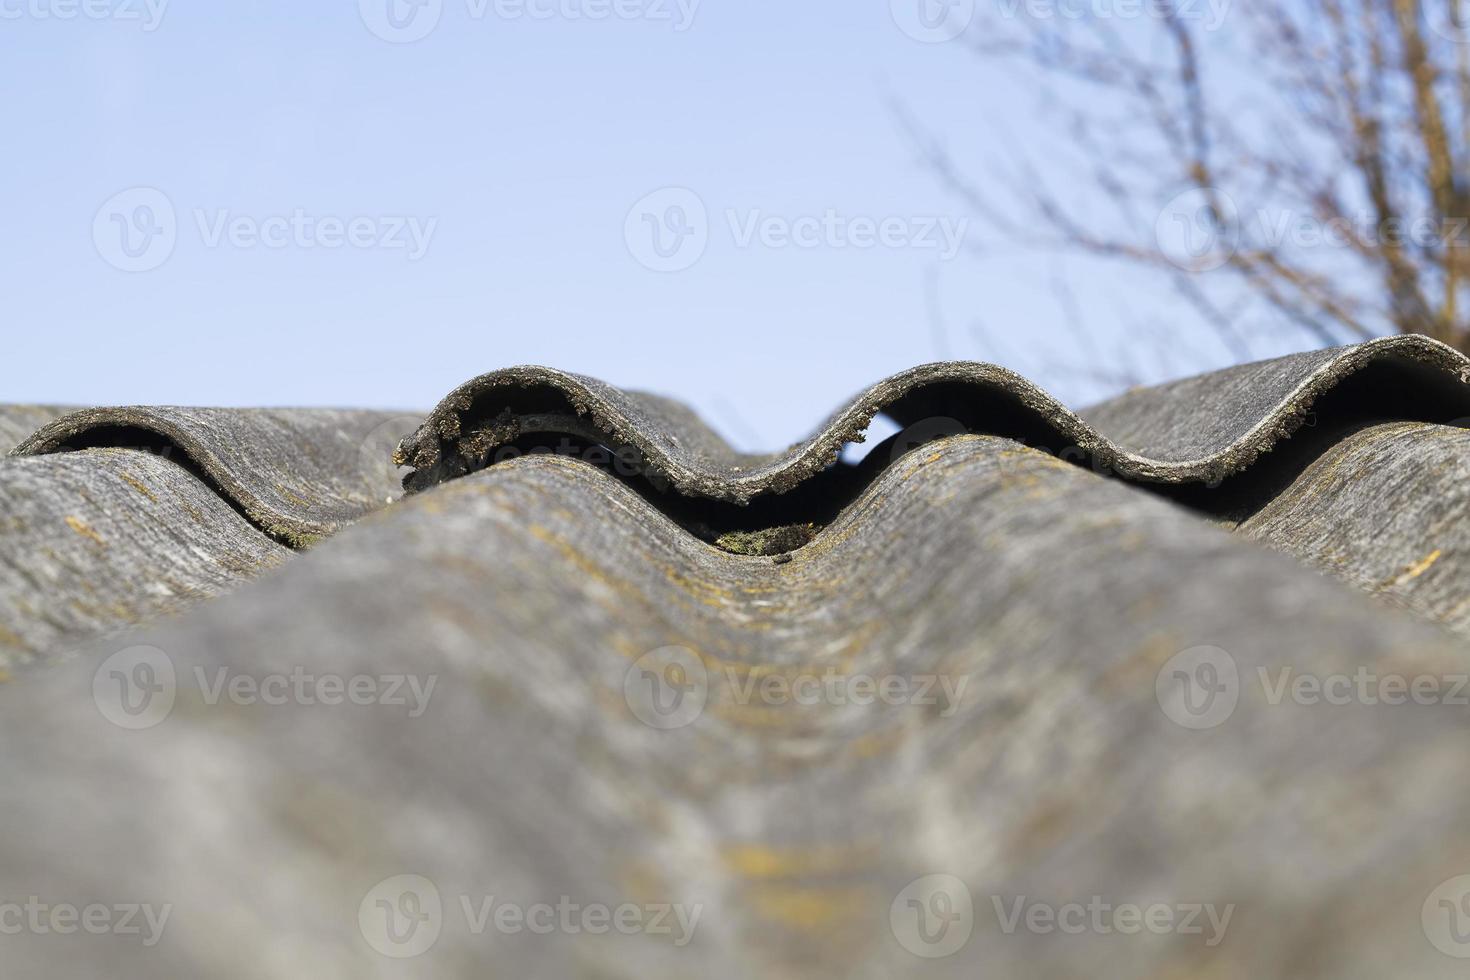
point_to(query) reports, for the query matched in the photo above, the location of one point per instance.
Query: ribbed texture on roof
(96, 540)
(19, 421)
(298, 474)
(1199, 430)
(1054, 774)
(536, 611)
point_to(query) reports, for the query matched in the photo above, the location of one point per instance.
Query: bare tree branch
(1352, 116)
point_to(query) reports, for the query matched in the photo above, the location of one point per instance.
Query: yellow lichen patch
(578, 559)
(814, 909)
(1454, 612)
(699, 590)
(776, 718)
(875, 744)
(643, 882)
(846, 654)
(761, 861)
(7, 638)
(137, 485)
(81, 527)
(1413, 571)
(741, 672)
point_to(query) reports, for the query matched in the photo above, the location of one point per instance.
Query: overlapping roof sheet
(1046, 577)
(19, 421)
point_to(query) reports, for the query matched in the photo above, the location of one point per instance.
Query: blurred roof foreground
(575, 679)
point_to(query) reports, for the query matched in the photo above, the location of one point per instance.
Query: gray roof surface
(19, 421)
(95, 540)
(794, 827)
(547, 600)
(1196, 430)
(298, 474)
(1388, 511)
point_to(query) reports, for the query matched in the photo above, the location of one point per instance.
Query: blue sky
(297, 203)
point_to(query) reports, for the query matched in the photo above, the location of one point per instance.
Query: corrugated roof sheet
(1197, 430)
(95, 540)
(555, 606)
(1387, 510)
(19, 421)
(115, 515)
(298, 474)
